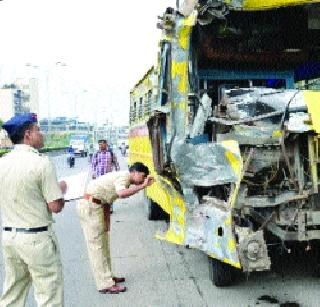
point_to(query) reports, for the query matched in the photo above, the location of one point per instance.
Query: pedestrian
(104, 161)
(123, 149)
(94, 215)
(71, 156)
(91, 152)
(29, 193)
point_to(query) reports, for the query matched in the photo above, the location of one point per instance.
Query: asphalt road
(161, 274)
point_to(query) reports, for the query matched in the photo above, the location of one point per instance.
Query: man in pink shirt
(104, 160)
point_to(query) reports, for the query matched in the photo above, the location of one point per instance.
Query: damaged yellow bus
(229, 124)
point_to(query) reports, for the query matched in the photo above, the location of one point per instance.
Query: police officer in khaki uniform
(29, 194)
(94, 213)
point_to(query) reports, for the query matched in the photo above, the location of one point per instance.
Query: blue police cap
(17, 121)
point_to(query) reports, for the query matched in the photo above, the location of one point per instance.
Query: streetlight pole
(49, 139)
(76, 100)
(46, 71)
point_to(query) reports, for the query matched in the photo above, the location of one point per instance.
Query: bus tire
(221, 274)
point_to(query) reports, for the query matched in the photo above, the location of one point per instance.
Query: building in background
(58, 130)
(19, 97)
(7, 102)
(64, 124)
(30, 89)
(122, 135)
(4, 140)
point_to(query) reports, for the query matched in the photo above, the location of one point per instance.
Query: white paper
(76, 185)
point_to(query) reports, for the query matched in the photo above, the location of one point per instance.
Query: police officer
(29, 194)
(94, 213)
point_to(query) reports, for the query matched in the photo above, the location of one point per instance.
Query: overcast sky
(107, 46)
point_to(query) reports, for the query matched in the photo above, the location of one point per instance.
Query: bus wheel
(221, 274)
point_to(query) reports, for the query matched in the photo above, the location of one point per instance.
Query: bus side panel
(140, 150)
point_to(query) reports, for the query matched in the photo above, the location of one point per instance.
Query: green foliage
(57, 140)
(43, 150)
(3, 151)
(48, 149)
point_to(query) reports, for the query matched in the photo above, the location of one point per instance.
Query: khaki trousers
(97, 240)
(31, 258)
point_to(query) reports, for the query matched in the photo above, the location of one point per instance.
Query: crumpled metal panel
(187, 7)
(203, 164)
(179, 76)
(202, 115)
(258, 101)
(256, 104)
(253, 135)
(198, 165)
(177, 227)
(297, 122)
(209, 230)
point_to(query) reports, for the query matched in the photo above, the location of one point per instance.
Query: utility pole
(49, 110)
(47, 72)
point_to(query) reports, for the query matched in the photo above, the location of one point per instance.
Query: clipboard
(76, 185)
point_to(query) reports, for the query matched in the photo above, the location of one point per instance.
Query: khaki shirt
(106, 186)
(28, 183)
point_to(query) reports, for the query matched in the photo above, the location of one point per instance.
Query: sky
(105, 48)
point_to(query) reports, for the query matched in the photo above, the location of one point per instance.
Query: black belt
(35, 229)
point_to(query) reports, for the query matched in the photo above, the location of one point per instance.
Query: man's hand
(63, 186)
(148, 181)
(56, 206)
(136, 188)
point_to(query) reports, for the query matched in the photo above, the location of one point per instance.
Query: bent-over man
(94, 215)
(104, 161)
(29, 194)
